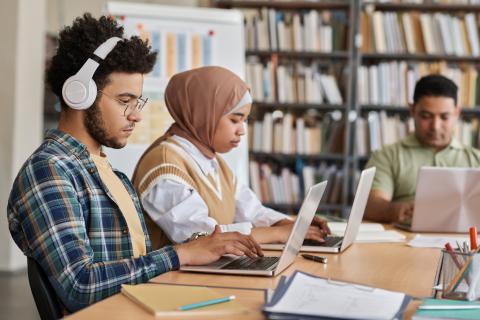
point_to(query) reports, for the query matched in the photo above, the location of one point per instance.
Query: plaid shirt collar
(67, 141)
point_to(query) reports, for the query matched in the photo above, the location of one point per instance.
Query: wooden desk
(388, 266)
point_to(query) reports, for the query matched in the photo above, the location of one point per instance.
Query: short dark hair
(435, 85)
(77, 43)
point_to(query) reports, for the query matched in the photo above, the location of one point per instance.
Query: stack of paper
(164, 300)
(304, 295)
(369, 232)
(422, 241)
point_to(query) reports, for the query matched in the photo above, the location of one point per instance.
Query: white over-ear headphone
(79, 91)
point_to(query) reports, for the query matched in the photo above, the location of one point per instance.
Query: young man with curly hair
(68, 209)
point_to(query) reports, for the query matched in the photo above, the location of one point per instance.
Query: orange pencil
(473, 238)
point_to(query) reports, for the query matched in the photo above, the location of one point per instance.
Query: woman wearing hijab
(185, 186)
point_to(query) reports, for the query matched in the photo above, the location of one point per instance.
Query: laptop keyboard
(246, 263)
(329, 242)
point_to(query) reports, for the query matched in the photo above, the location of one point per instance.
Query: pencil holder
(460, 275)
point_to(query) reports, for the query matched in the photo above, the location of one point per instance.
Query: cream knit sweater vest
(169, 160)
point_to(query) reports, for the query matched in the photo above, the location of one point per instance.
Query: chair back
(48, 305)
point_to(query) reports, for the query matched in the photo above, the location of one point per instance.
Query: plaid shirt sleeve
(47, 222)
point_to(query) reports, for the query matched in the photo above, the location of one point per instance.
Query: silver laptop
(446, 200)
(271, 266)
(336, 244)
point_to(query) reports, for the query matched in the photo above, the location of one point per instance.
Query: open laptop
(446, 200)
(335, 244)
(270, 266)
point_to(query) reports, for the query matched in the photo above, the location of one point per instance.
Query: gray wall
(21, 89)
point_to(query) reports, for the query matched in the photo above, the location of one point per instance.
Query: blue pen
(205, 303)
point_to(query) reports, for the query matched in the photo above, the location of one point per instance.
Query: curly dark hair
(77, 43)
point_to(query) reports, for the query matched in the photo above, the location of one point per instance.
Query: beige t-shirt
(124, 202)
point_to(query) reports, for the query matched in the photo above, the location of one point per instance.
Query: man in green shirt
(435, 111)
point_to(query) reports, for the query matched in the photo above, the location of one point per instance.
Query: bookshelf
(326, 67)
(363, 62)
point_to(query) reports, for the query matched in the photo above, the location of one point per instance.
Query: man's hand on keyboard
(210, 248)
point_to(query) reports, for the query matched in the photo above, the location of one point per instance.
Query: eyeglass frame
(140, 101)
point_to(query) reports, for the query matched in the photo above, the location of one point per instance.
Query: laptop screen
(300, 228)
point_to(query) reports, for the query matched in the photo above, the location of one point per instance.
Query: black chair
(48, 305)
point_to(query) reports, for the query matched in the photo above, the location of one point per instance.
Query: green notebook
(447, 313)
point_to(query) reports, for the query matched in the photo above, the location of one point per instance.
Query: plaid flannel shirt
(61, 214)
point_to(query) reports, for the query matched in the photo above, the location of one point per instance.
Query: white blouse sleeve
(249, 208)
(180, 211)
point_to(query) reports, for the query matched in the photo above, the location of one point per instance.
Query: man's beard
(96, 128)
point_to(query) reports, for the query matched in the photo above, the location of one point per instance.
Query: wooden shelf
(362, 158)
(423, 7)
(401, 109)
(293, 5)
(298, 106)
(282, 157)
(310, 55)
(418, 57)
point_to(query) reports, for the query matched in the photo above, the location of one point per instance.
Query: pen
(473, 238)
(205, 303)
(315, 258)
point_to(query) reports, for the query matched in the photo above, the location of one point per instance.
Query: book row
(293, 82)
(320, 31)
(283, 185)
(393, 83)
(284, 133)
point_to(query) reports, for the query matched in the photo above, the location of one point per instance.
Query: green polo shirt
(398, 164)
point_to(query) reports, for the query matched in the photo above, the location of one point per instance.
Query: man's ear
(458, 109)
(411, 109)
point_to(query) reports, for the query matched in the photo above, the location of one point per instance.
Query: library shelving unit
(355, 56)
(438, 12)
(342, 56)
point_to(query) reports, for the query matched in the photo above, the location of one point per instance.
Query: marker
(473, 238)
(450, 250)
(315, 258)
(205, 303)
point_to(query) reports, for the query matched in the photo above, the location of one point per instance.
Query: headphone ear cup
(76, 95)
(92, 94)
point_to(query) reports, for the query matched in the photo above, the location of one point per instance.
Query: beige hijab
(196, 100)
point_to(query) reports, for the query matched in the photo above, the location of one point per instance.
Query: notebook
(271, 265)
(446, 200)
(448, 313)
(335, 244)
(163, 300)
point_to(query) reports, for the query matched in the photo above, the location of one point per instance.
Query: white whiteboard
(226, 49)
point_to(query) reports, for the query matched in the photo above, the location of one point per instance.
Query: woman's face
(230, 129)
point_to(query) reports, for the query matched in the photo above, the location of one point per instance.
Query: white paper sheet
(369, 232)
(422, 241)
(307, 295)
(338, 228)
(380, 236)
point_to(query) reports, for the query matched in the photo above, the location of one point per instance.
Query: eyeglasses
(131, 107)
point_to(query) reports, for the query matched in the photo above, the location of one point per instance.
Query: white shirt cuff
(242, 227)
